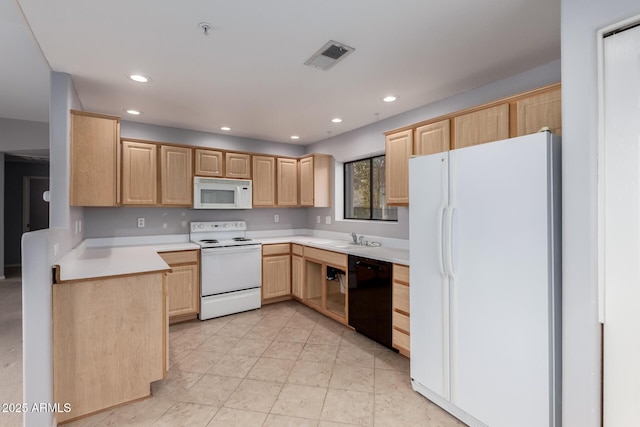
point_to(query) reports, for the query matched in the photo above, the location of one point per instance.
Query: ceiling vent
(328, 55)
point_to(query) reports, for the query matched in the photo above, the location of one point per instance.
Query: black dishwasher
(370, 298)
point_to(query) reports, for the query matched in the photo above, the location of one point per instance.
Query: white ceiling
(24, 73)
(249, 73)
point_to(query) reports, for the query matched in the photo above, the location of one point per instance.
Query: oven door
(215, 197)
(230, 269)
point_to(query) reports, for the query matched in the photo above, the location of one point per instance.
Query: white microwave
(221, 193)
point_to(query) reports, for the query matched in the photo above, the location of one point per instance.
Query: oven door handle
(230, 249)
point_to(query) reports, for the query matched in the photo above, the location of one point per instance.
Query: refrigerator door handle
(440, 243)
(450, 218)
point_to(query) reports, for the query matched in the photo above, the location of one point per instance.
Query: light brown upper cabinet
(94, 160)
(538, 111)
(287, 182)
(238, 165)
(209, 163)
(398, 150)
(139, 173)
(176, 175)
(315, 181)
(432, 138)
(485, 125)
(264, 181)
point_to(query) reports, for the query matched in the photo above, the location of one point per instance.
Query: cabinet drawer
(400, 340)
(401, 273)
(277, 249)
(401, 297)
(180, 257)
(333, 258)
(400, 321)
(296, 249)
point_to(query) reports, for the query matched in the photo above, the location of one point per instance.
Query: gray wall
(23, 136)
(118, 222)
(206, 139)
(62, 216)
(581, 331)
(369, 140)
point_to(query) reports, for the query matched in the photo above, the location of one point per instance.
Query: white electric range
(230, 268)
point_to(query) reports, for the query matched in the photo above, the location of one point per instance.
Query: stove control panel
(218, 226)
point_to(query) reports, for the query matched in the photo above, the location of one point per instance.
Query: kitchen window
(364, 191)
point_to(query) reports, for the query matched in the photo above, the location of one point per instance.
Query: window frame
(346, 192)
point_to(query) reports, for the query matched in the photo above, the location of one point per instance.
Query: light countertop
(383, 253)
(96, 258)
(86, 262)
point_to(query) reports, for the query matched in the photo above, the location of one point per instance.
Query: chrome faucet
(354, 236)
(360, 242)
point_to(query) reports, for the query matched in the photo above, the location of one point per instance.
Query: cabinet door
(287, 182)
(401, 309)
(486, 125)
(94, 160)
(306, 181)
(176, 176)
(432, 138)
(139, 173)
(264, 181)
(538, 111)
(238, 165)
(398, 150)
(208, 163)
(276, 276)
(183, 289)
(296, 276)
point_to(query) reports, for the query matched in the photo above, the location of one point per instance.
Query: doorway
(619, 222)
(35, 208)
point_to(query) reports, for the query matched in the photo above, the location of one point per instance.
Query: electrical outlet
(276, 218)
(327, 220)
(76, 226)
(79, 226)
(318, 219)
(56, 249)
(140, 222)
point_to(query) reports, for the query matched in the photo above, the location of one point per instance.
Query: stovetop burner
(209, 241)
(241, 239)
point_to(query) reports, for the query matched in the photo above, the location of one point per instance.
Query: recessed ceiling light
(225, 128)
(133, 112)
(389, 98)
(140, 78)
(295, 137)
(337, 120)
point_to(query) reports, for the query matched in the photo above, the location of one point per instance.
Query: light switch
(327, 219)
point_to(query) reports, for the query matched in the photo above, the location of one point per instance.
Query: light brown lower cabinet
(276, 272)
(401, 310)
(183, 285)
(297, 277)
(324, 290)
(109, 341)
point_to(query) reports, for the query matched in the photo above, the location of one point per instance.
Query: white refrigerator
(486, 281)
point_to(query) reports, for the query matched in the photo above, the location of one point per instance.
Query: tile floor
(11, 344)
(281, 365)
